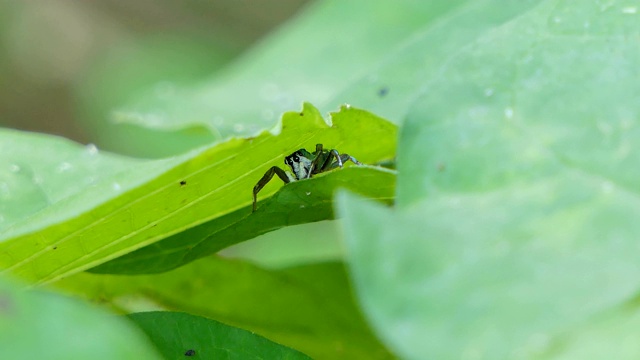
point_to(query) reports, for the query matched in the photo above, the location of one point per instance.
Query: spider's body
(304, 165)
(300, 163)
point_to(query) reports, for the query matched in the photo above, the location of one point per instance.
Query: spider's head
(300, 163)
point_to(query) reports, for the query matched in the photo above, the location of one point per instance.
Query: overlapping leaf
(179, 335)
(516, 231)
(309, 308)
(194, 189)
(38, 325)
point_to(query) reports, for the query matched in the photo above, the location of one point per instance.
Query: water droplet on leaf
(238, 128)
(508, 112)
(92, 149)
(65, 166)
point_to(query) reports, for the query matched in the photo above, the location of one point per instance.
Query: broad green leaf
(477, 277)
(177, 194)
(297, 203)
(180, 335)
(515, 234)
(43, 325)
(408, 72)
(309, 308)
(311, 58)
(38, 171)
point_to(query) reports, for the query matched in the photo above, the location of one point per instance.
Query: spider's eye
(296, 158)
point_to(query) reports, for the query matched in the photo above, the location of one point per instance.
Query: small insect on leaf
(190, 352)
(304, 165)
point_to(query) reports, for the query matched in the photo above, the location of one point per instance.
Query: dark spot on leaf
(183, 183)
(154, 225)
(302, 114)
(55, 247)
(441, 167)
(383, 91)
(190, 352)
(6, 303)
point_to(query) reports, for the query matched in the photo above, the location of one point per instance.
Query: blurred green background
(65, 65)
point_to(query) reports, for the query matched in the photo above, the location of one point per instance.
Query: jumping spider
(304, 165)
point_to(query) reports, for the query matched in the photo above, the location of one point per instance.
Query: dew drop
(116, 186)
(14, 168)
(92, 149)
(508, 112)
(238, 128)
(488, 92)
(301, 206)
(347, 106)
(308, 193)
(557, 20)
(630, 10)
(63, 167)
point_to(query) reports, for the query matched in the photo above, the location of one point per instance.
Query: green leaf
(43, 325)
(408, 72)
(297, 203)
(309, 308)
(38, 171)
(516, 229)
(101, 223)
(476, 276)
(302, 61)
(180, 335)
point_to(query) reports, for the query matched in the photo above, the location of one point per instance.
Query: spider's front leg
(265, 180)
